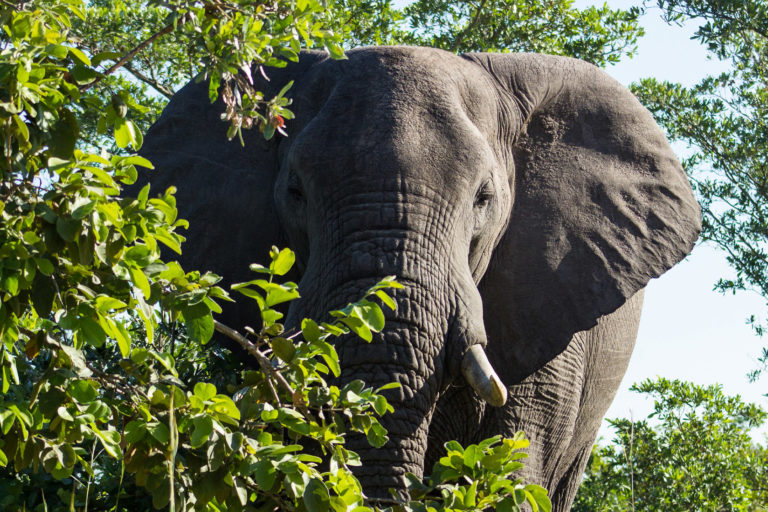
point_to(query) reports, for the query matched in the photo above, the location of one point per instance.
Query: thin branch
(470, 26)
(265, 364)
(128, 56)
(168, 93)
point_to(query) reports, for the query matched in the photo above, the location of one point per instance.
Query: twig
(470, 26)
(128, 56)
(266, 366)
(168, 93)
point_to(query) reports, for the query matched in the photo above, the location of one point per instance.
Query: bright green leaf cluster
(478, 477)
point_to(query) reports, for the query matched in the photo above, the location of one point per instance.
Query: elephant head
(533, 187)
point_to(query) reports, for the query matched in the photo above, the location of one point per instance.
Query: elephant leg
(560, 406)
(563, 495)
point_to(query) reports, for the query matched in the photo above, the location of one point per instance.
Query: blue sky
(687, 330)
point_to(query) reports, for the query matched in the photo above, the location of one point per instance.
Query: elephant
(522, 200)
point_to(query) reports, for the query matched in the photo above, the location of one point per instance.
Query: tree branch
(168, 93)
(128, 56)
(470, 26)
(266, 366)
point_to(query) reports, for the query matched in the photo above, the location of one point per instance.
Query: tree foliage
(694, 452)
(723, 120)
(596, 34)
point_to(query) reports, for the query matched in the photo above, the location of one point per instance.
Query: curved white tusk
(479, 373)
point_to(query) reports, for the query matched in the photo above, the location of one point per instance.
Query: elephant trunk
(438, 320)
(410, 351)
(425, 345)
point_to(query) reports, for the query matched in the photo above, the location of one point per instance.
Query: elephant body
(524, 201)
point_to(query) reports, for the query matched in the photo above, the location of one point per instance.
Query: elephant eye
(294, 187)
(484, 196)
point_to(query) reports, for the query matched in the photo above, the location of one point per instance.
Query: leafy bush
(694, 452)
(111, 399)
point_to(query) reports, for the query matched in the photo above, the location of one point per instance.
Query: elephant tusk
(479, 373)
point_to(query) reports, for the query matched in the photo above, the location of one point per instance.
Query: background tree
(694, 452)
(599, 35)
(722, 119)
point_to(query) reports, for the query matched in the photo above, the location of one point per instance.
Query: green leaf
(329, 355)
(316, 497)
(539, 495)
(44, 265)
(270, 316)
(7, 418)
(3, 459)
(204, 391)
(371, 314)
(358, 327)
(92, 332)
(203, 429)
(269, 414)
(82, 207)
(110, 440)
(284, 348)
(82, 391)
(122, 133)
(265, 474)
(10, 282)
(42, 294)
(135, 431)
(472, 455)
(199, 321)
(164, 358)
(68, 228)
(102, 56)
(140, 255)
(137, 139)
(64, 135)
(105, 303)
(278, 295)
(79, 55)
(159, 431)
(386, 299)
(391, 385)
(380, 405)
(224, 405)
(310, 330)
(140, 281)
(121, 336)
(281, 261)
(377, 435)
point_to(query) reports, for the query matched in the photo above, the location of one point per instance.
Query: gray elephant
(523, 200)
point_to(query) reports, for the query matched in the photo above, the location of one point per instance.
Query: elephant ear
(224, 188)
(601, 206)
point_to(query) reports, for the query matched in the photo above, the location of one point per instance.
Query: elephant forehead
(401, 112)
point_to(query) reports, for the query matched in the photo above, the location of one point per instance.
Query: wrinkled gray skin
(523, 200)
